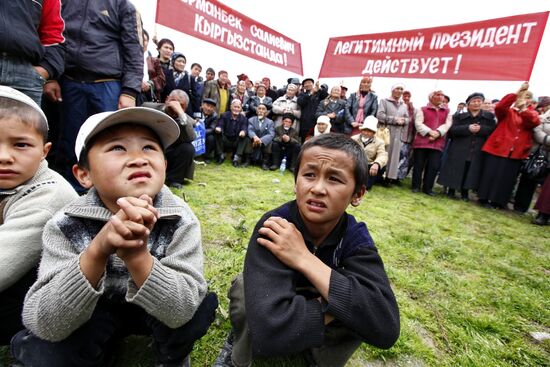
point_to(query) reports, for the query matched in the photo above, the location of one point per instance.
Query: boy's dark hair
(11, 108)
(83, 161)
(196, 64)
(165, 40)
(344, 144)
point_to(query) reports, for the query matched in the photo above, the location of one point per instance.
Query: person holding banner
(362, 103)
(432, 123)
(507, 147)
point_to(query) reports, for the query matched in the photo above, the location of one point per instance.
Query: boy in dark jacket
(313, 282)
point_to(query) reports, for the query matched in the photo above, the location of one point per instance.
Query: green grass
(471, 283)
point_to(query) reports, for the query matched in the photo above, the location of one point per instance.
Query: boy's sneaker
(224, 358)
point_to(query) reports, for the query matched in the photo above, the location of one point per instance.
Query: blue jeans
(93, 343)
(19, 74)
(80, 101)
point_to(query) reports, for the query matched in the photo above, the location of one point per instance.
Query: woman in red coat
(507, 146)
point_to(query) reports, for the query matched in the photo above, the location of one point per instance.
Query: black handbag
(536, 165)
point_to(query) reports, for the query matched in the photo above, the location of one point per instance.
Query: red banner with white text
(496, 49)
(211, 21)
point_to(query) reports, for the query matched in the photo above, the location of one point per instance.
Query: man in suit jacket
(261, 132)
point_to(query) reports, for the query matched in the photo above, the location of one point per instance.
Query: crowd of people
(124, 256)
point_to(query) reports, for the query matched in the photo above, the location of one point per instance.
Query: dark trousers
(371, 180)
(93, 343)
(524, 193)
(210, 146)
(425, 166)
(11, 305)
(80, 101)
(280, 150)
(339, 343)
(236, 145)
(180, 162)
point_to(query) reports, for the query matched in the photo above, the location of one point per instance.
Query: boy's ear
(83, 176)
(46, 150)
(358, 196)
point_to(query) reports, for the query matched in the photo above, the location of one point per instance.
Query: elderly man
(287, 104)
(231, 133)
(261, 133)
(180, 155)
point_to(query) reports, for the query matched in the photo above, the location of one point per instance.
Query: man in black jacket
(103, 68)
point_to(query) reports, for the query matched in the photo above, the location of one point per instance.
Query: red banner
(496, 49)
(216, 23)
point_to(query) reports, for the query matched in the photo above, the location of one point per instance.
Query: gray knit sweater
(26, 209)
(62, 299)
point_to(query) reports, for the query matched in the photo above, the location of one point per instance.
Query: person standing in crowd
(362, 103)
(231, 133)
(393, 113)
(285, 144)
(241, 94)
(196, 70)
(103, 68)
(218, 91)
(308, 101)
(542, 136)
(180, 79)
(374, 148)
(287, 104)
(259, 98)
(507, 147)
(432, 123)
(469, 131)
(269, 91)
(165, 48)
(32, 47)
(405, 156)
(527, 186)
(154, 79)
(335, 108)
(210, 75)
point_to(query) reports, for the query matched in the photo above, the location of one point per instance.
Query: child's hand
(284, 241)
(139, 210)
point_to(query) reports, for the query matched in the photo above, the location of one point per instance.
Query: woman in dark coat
(462, 169)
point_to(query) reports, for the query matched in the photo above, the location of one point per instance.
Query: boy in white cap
(126, 258)
(30, 193)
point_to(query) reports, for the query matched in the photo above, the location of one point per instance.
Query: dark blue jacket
(231, 127)
(104, 41)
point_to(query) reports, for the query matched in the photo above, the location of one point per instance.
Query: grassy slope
(471, 283)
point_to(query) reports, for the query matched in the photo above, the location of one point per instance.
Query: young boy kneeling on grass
(30, 194)
(126, 258)
(313, 282)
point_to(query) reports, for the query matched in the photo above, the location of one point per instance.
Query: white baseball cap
(370, 123)
(8, 92)
(163, 125)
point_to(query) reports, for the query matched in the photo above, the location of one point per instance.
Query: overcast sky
(312, 23)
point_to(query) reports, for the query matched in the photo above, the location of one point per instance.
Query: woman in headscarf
(468, 133)
(507, 147)
(361, 104)
(393, 114)
(335, 108)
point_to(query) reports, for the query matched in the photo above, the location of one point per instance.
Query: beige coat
(375, 151)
